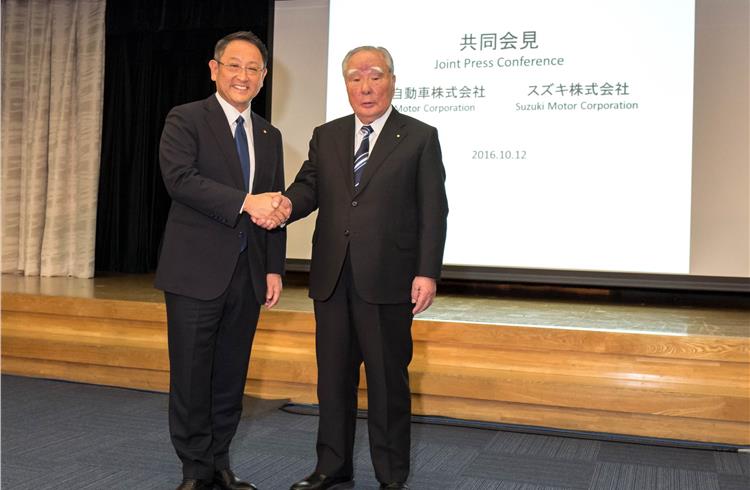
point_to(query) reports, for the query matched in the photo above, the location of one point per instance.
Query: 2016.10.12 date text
(498, 154)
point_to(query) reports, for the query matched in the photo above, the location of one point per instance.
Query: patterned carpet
(74, 436)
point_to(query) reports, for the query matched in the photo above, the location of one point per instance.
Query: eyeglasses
(235, 69)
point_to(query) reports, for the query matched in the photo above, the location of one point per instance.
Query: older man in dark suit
(376, 178)
(216, 268)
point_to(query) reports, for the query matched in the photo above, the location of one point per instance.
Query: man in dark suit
(216, 268)
(377, 180)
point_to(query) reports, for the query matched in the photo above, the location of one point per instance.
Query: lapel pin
(265, 131)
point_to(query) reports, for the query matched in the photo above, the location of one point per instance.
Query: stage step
(680, 387)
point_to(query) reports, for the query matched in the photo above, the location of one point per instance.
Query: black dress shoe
(394, 485)
(319, 481)
(227, 480)
(193, 484)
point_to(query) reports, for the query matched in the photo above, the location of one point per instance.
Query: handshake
(269, 210)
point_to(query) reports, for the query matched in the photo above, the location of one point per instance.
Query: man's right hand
(268, 210)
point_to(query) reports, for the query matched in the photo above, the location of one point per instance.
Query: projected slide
(566, 126)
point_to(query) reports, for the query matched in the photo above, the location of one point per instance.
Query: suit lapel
(217, 121)
(263, 154)
(392, 134)
(345, 150)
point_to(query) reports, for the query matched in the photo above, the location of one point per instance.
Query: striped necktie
(363, 153)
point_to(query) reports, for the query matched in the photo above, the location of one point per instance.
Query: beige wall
(720, 238)
(720, 241)
(300, 52)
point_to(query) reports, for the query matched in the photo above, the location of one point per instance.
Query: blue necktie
(363, 153)
(240, 139)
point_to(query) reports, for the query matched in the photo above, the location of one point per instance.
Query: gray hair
(386, 55)
(248, 36)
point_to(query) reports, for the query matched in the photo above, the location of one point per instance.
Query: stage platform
(585, 364)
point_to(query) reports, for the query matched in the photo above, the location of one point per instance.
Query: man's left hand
(273, 289)
(423, 291)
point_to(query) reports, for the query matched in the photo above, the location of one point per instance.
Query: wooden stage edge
(692, 387)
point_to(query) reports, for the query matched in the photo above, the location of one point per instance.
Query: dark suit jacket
(203, 175)
(394, 225)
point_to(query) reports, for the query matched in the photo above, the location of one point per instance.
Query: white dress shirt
(376, 125)
(232, 115)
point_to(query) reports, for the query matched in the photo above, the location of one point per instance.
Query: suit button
(346, 232)
(354, 203)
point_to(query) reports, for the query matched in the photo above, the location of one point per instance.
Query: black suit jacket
(394, 225)
(203, 175)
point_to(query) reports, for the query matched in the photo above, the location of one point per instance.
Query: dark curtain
(157, 55)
